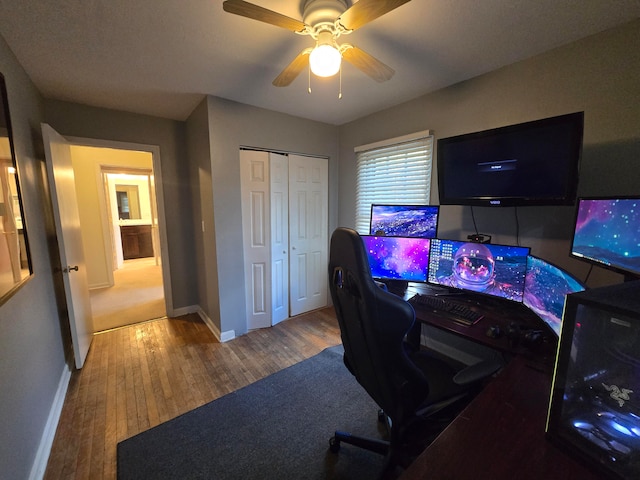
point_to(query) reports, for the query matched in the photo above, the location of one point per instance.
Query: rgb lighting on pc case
(595, 402)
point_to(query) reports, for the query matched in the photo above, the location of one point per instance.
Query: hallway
(137, 296)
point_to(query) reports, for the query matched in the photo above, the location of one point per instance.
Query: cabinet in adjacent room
(136, 241)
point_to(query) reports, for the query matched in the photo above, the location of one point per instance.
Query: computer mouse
(494, 331)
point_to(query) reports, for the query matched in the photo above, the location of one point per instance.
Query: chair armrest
(476, 372)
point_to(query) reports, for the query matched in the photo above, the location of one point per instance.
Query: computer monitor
(397, 258)
(496, 270)
(606, 233)
(404, 220)
(546, 287)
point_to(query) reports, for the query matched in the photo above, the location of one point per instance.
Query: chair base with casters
(407, 441)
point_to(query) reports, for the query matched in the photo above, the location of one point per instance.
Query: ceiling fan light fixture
(325, 60)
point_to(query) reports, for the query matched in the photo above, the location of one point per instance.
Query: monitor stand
(396, 286)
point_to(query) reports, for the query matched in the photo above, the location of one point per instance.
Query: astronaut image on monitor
(475, 267)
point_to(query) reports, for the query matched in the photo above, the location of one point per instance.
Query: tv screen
(532, 163)
(497, 270)
(397, 258)
(404, 220)
(546, 287)
(607, 233)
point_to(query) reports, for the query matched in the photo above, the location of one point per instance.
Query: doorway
(118, 214)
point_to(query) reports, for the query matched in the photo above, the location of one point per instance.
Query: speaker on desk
(595, 400)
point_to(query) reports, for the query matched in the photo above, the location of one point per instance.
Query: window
(395, 171)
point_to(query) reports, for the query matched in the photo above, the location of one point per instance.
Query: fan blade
(290, 73)
(366, 11)
(368, 64)
(249, 10)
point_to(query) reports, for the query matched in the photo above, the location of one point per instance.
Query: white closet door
(255, 186)
(285, 239)
(279, 172)
(308, 233)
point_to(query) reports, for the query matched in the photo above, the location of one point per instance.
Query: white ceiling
(160, 57)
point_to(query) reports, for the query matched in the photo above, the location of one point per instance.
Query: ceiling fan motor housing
(323, 11)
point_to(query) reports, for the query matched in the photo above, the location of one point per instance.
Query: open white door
(65, 211)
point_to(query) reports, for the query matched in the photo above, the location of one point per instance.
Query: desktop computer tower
(594, 411)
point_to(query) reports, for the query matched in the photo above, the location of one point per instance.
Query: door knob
(70, 268)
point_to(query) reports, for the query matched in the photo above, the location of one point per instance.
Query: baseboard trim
(98, 286)
(221, 336)
(46, 441)
(178, 312)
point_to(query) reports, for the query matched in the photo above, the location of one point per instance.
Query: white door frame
(112, 237)
(159, 190)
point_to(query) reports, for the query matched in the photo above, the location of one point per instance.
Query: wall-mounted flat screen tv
(404, 220)
(532, 163)
(607, 233)
(546, 287)
(397, 258)
(490, 269)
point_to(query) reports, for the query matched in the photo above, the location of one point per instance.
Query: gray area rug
(276, 428)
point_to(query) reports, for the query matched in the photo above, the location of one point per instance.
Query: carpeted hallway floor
(137, 296)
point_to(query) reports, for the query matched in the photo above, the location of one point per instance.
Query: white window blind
(396, 171)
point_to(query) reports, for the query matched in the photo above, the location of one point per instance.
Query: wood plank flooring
(139, 376)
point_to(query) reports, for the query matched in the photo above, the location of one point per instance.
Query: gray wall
(199, 150)
(598, 75)
(231, 126)
(32, 343)
(34, 334)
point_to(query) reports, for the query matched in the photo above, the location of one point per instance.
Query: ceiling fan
(324, 21)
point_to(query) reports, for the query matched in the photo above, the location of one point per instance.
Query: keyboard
(452, 310)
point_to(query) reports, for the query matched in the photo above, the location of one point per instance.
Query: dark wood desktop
(501, 433)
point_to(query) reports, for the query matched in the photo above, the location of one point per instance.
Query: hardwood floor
(139, 376)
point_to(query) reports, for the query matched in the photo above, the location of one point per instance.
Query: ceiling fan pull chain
(340, 92)
(309, 76)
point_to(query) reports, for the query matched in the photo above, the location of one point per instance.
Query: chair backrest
(373, 325)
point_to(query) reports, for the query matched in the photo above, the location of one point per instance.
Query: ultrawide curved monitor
(546, 288)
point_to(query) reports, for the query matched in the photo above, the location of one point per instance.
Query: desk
(501, 314)
(500, 434)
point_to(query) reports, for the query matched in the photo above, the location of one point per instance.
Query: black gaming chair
(407, 383)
